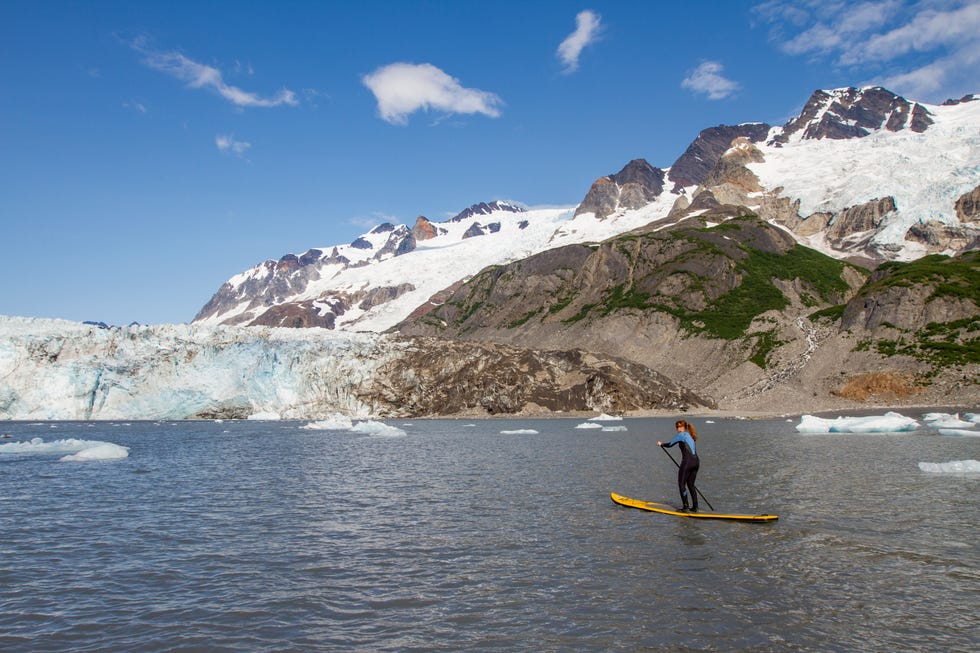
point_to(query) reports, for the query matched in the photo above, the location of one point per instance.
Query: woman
(688, 469)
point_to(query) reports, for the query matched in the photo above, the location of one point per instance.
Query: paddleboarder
(687, 471)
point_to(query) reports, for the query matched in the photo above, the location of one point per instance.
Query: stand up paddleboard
(652, 506)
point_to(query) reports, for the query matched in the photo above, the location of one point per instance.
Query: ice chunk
(76, 450)
(952, 467)
(370, 427)
(969, 433)
(333, 423)
(589, 425)
(520, 432)
(102, 451)
(946, 421)
(265, 417)
(602, 417)
(890, 422)
(607, 429)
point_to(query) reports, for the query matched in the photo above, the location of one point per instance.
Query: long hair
(687, 427)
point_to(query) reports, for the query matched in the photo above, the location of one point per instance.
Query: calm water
(245, 536)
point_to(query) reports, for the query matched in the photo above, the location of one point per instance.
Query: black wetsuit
(688, 470)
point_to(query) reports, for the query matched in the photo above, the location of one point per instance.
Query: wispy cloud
(227, 143)
(198, 75)
(919, 48)
(401, 89)
(707, 79)
(586, 32)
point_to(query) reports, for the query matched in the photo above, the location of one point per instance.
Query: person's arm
(665, 445)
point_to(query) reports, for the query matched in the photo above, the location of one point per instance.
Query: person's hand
(659, 443)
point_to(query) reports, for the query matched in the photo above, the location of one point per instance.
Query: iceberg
(952, 467)
(968, 433)
(608, 429)
(589, 425)
(890, 422)
(370, 427)
(602, 417)
(520, 432)
(76, 450)
(946, 421)
(336, 422)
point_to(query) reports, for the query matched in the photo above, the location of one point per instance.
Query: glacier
(60, 370)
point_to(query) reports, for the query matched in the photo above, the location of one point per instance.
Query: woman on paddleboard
(687, 471)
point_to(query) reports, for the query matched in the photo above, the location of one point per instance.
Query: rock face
(911, 297)
(692, 302)
(486, 208)
(701, 156)
(968, 206)
(633, 187)
(855, 113)
(435, 377)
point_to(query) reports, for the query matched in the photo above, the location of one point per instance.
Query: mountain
(861, 174)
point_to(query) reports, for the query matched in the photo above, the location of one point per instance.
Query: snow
(925, 172)
(890, 422)
(952, 467)
(77, 450)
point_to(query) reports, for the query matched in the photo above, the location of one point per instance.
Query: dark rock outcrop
(484, 208)
(633, 187)
(692, 167)
(855, 113)
(968, 206)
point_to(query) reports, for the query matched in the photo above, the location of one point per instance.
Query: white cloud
(586, 32)
(198, 75)
(227, 143)
(926, 49)
(707, 79)
(401, 89)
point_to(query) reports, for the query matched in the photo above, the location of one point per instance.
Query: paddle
(695, 487)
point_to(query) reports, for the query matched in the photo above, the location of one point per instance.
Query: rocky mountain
(861, 174)
(739, 312)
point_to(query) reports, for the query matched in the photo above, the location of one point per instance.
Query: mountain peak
(854, 113)
(484, 208)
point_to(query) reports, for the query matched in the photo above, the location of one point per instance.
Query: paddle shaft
(695, 487)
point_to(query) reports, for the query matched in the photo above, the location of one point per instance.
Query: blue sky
(151, 150)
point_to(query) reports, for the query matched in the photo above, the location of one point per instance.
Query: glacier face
(53, 369)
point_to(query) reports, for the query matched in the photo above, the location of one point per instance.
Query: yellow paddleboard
(670, 510)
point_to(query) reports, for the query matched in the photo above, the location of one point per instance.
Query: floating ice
(968, 433)
(76, 450)
(607, 429)
(103, 451)
(602, 417)
(520, 432)
(333, 423)
(589, 425)
(370, 427)
(890, 422)
(952, 467)
(946, 421)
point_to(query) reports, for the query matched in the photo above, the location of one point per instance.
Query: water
(245, 536)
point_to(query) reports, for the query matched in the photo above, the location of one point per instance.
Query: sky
(149, 151)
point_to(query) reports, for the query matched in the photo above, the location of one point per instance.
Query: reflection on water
(266, 536)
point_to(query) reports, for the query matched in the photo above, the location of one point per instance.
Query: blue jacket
(684, 439)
